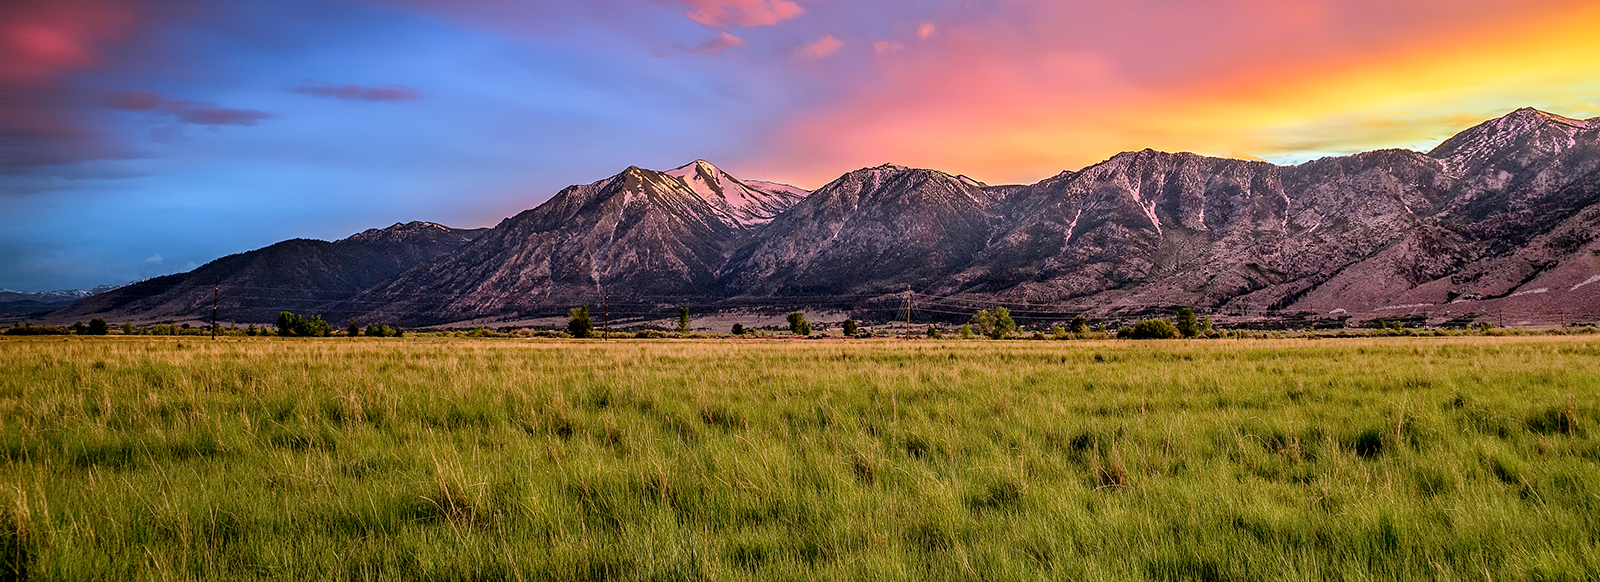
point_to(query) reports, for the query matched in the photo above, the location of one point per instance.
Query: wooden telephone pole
(908, 312)
(216, 285)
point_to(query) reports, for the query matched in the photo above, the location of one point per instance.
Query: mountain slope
(1501, 219)
(643, 233)
(874, 230)
(299, 275)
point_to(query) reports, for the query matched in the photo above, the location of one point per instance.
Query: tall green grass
(439, 459)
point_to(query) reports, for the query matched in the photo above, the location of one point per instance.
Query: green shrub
(1187, 324)
(293, 325)
(1149, 329)
(798, 324)
(578, 324)
(850, 328)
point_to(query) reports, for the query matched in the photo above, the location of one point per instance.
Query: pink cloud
(184, 110)
(747, 13)
(926, 30)
(722, 42)
(356, 92)
(821, 47)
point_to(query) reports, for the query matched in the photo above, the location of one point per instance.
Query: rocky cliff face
(1498, 223)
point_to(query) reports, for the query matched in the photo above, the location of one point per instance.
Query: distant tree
(683, 320)
(798, 324)
(79, 328)
(1187, 324)
(380, 330)
(933, 332)
(850, 328)
(1003, 324)
(579, 324)
(127, 328)
(983, 323)
(1058, 332)
(292, 325)
(288, 322)
(1205, 325)
(1080, 325)
(738, 329)
(98, 326)
(966, 331)
(354, 329)
(250, 331)
(1150, 329)
(316, 327)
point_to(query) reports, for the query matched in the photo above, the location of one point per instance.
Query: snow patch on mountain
(740, 203)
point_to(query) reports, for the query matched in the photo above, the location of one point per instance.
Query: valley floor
(149, 458)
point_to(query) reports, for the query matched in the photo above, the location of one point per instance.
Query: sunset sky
(145, 137)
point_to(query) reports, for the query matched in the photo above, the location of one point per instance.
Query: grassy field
(459, 459)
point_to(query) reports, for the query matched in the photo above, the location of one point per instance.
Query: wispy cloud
(747, 13)
(926, 31)
(359, 93)
(821, 47)
(185, 110)
(722, 42)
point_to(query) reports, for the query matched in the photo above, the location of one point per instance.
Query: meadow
(159, 458)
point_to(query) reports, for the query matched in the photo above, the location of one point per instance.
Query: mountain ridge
(1459, 231)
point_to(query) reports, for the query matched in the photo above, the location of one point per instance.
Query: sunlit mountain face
(141, 138)
(1498, 220)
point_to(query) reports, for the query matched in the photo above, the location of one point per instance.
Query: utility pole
(216, 286)
(908, 312)
(606, 333)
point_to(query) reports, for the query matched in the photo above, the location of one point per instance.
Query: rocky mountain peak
(402, 231)
(1529, 132)
(739, 203)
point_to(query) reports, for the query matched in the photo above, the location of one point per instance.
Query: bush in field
(982, 323)
(1150, 329)
(683, 320)
(98, 326)
(293, 325)
(380, 330)
(1080, 325)
(850, 328)
(1003, 324)
(1058, 332)
(353, 330)
(996, 325)
(798, 324)
(738, 329)
(966, 331)
(1188, 325)
(578, 322)
(933, 332)
(30, 329)
(127, 328)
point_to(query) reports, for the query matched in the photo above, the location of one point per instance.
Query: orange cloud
(821, 47)
(747, 13)
(1014, 101)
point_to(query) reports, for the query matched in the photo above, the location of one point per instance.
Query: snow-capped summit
(741, 203)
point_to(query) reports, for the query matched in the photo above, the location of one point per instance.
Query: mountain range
(1498, 224)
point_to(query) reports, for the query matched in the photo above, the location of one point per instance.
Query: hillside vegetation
(149, 458)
